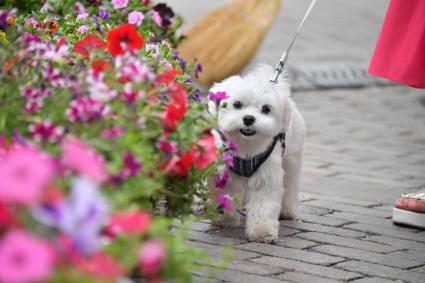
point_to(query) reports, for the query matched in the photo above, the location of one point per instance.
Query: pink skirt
(400, 50)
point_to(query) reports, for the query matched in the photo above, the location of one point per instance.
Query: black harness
(247, 167)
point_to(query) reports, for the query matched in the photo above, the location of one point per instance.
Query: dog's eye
(266, 109)
(237, 105)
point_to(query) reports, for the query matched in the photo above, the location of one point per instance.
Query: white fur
(273, 189)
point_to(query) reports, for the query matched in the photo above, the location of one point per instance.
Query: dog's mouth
(247, 132)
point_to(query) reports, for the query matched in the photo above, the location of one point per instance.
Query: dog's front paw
(289, 210)
(263, 232)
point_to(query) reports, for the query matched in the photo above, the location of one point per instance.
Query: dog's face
(255, 111)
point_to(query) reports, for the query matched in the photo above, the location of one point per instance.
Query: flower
(225, 202)
(204, 152)
(82, 15)
(81, 216)
(135, 18)
(131, 222)
(79, 7)
(24, 173)
(166, 146)
(218, 96)
(100, 66)
(178, 166)
(222, 180)
(123, 38)
(113, 132)
(31, 21)
(151, 257)
(177, 108)
(46, 131)
(84, 109)
(82, 29)
(7, 218)
(89, 43)
(82, 159)
(119, 4)
(198, 70)
(101, 265)
(24, 258)
(45, 8)
(162, 15)
(103, 14)
(227, 157)
(168, 76)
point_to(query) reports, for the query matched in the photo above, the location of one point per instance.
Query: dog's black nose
(248, 120)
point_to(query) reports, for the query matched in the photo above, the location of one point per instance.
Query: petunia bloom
(82, 29)
(135, 18)
(89, 43)
(218, 96)
(82, 159)
(178, 166)
(227, 157)
(151, 257)
(225, 202)
(24, 258)
(124, 38)
(101, 265)
(24, 173)
(222, 180)
(119, 4)
(132, 222)
(204, 152)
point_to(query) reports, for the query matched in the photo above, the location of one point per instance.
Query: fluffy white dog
(260, 118)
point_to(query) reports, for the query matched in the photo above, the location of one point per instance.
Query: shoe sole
(410, 218)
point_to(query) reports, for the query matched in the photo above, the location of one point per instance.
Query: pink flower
(221, 181)
(156, 17)
(135, 18)
(218, 96)
(31, 21)
(24, 258)
(227, 157)
(45, 8)
(83, 15)
(204, 152)
(151, 257)
(46, 131)
(119, 4)
(135, 222)
(24, 173)
(113, 132)
(79, 7)
(225, 202)
(82, 29)
(80, 158)
(167, 146)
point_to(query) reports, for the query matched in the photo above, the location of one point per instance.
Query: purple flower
(82, 16)
(221, 181)
(81, 216)
(166, 146)
(218, 96)
(227, 157)
(79, 8)
(225, 202)
(119, 4)
(3, 19)
(196, 96)
(162, 15)
(232, 146)
(45, 8)
(82, 29)
(103, 14)
(198, 70)
(131, 165)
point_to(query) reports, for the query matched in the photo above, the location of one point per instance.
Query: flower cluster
(101, 136)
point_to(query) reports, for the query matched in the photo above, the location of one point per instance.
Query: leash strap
(285, 55)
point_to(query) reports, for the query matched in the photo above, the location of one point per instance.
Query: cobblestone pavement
(364, 147)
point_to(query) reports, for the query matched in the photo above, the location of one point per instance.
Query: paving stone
(366, 256)
(386, 231)
(365, 203)
(347, 242)
(311, 227)
(306, 209)
(321, 271)
(323, 220)
(289, 253)
(420, 269)
(238, 276)
(294, 242)
(410, 255)
(381, 271)
(304, 278)
(398, 243)
(230, 232)
(212, 239)
(376, 280)
(202, 227)
(254, 268)
(348, 208)
(216, 253)
(367, 219)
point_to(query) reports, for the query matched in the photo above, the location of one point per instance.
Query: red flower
(168, 76)
(6, 217)
(178, 166)
(100, 66)
(87, 44)
(124, 38)
(60, 43)
(136, 222)
(100, 265)
(204, 152)
(176, 110)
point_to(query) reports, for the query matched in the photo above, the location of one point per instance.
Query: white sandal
(406, 214)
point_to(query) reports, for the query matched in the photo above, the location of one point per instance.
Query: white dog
(260, 117)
